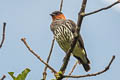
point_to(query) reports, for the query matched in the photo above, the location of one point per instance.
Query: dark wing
(80, 40)
(74, 26)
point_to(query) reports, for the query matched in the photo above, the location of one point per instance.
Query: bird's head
(57, 15)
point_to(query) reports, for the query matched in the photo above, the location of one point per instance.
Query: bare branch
(94, 74)
(3, 36)
(67, 57)
(105, 8)
(61, 5)
(81, 14)
(45, 69)
(3, 77)
(24, 41)
(80, 18)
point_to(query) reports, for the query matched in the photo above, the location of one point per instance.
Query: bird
(63, 30)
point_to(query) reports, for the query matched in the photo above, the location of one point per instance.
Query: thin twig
(94, 74)
(3, 77)
(61, 5)
(3, 36)
(73, 69)
(24, 41)
(105, 8)
(45, 69)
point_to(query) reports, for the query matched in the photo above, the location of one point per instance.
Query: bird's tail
(86, 66)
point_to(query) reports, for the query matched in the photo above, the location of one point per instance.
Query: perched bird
(63, 30)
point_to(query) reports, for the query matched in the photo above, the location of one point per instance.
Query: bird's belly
(64, 37)
(65, 45)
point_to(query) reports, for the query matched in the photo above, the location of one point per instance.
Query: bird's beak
(51, 14)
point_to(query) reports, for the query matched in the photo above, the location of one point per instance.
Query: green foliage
(59, 75)
(21, 76)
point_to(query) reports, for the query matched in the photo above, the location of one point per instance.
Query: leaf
(21, 76)
(11, 74)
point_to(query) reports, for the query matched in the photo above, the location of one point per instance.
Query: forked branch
(80, 18)
(94, 74)
(67, 57)
(105, 8)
